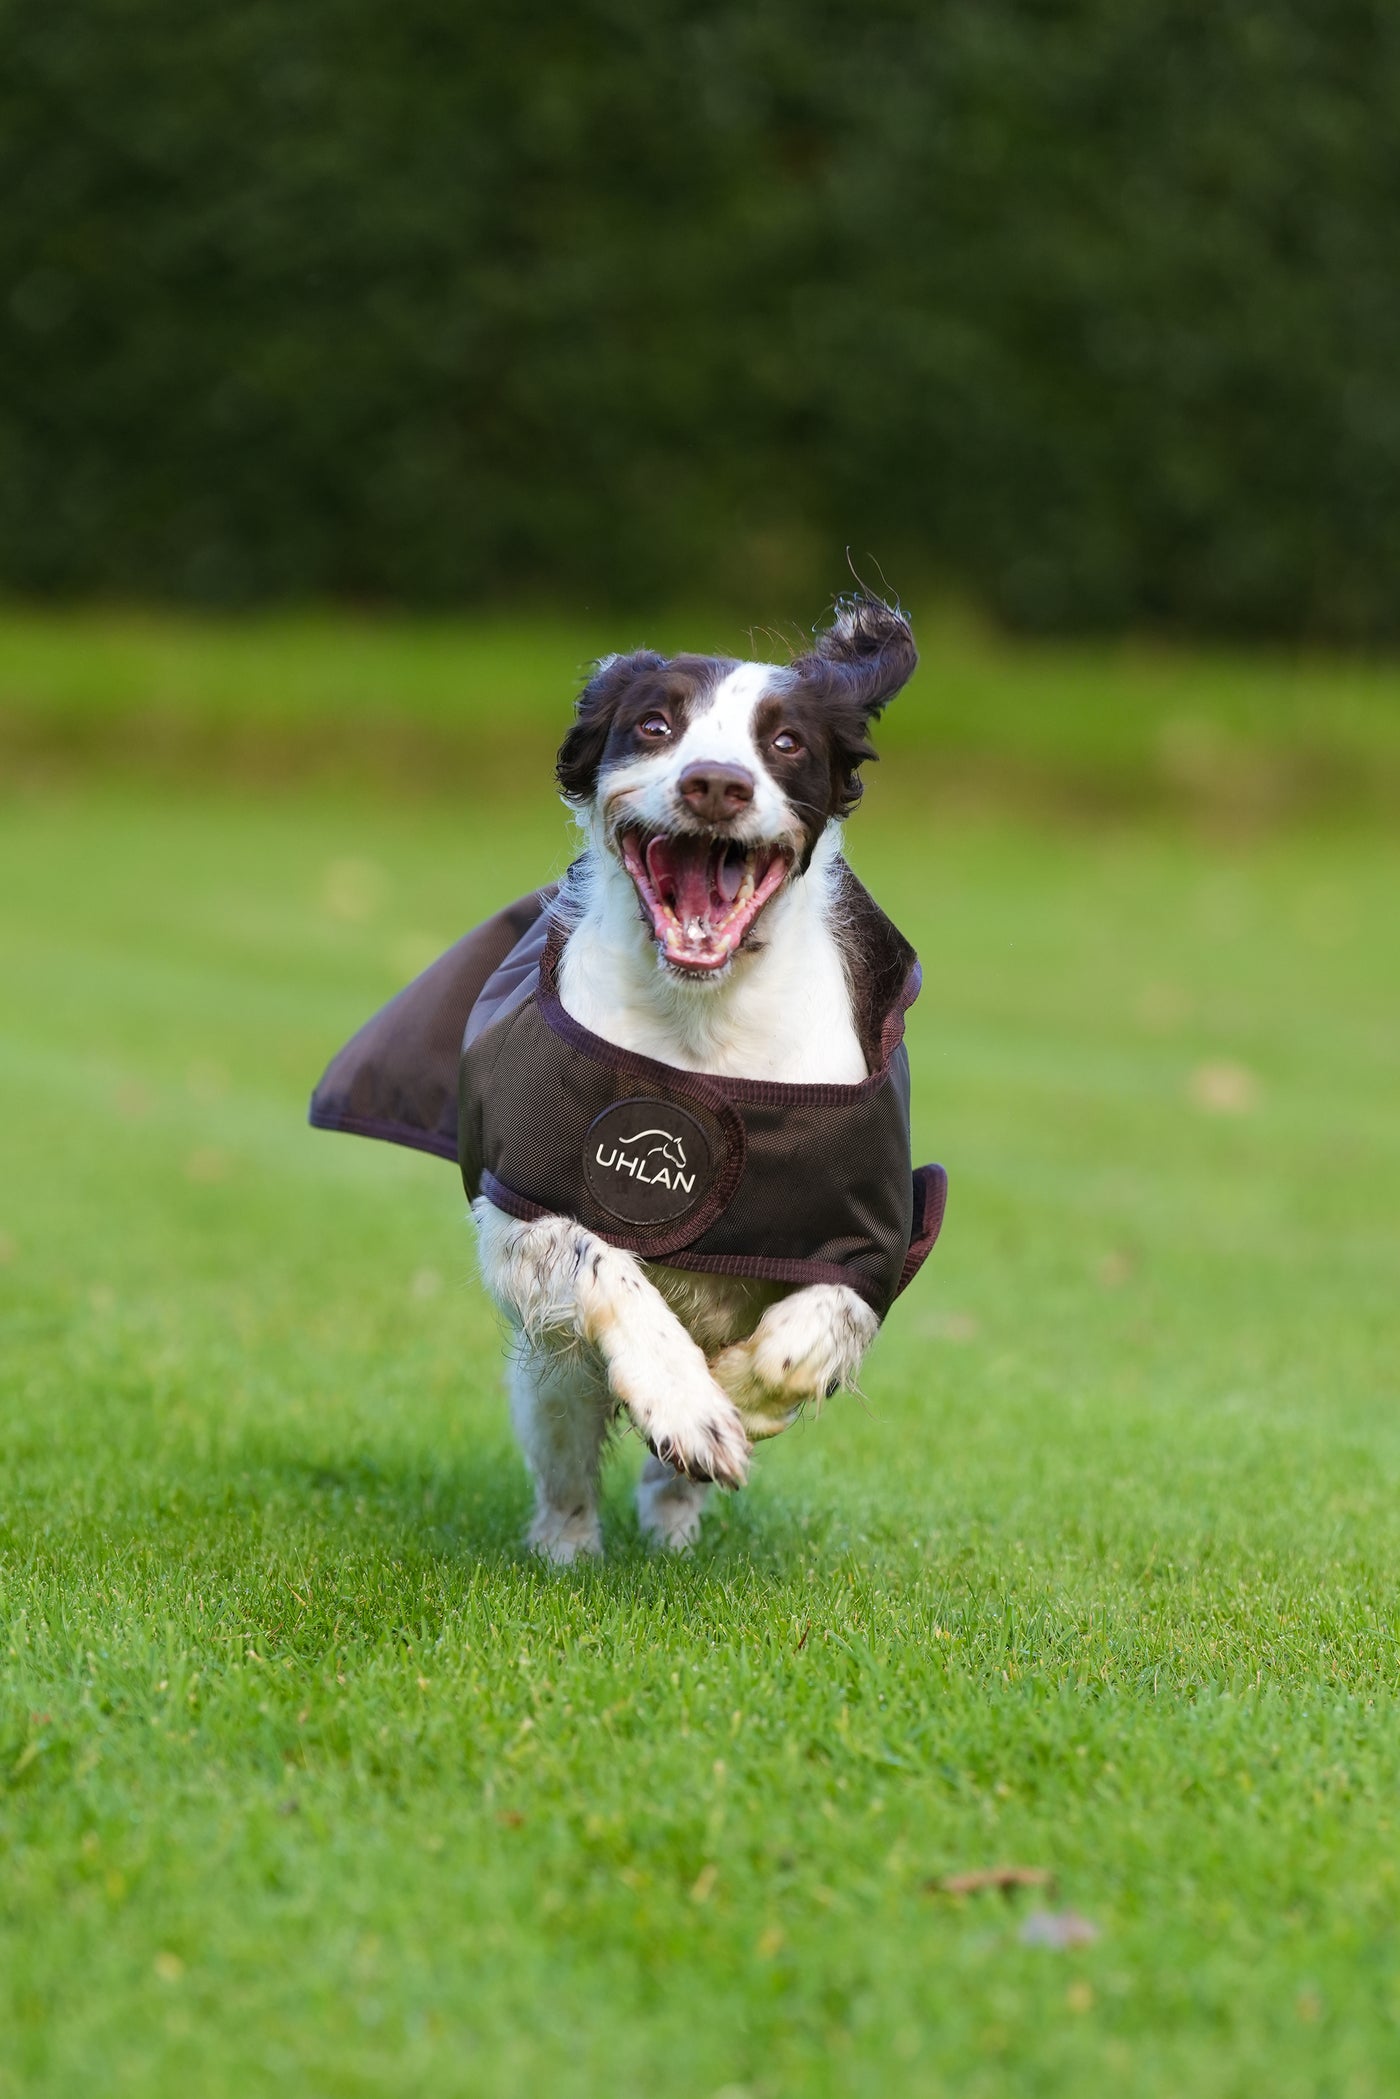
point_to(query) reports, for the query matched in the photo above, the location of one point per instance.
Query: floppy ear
(855, 670)
(864, 657)
(581, 752)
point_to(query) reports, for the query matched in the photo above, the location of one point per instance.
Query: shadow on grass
(272, 1539)
(408, 1546)
(478, 1509)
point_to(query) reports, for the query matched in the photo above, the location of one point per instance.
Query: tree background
(1089, 312)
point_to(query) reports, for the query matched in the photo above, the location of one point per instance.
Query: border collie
(705, 932)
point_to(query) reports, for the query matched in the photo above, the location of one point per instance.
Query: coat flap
(397, 1078)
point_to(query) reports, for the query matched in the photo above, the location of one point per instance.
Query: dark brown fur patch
(819, 778)
(836, 689)
(618, 699)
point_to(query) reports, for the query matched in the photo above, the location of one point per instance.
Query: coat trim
(713, 1091)
(930, 1202)
(762, 1268)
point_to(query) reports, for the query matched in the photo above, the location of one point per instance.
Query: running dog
(710, 927)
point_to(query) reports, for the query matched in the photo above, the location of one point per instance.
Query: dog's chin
(702, 894)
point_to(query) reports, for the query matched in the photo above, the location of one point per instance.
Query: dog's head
(712, 780)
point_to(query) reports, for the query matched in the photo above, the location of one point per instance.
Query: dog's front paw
(704, 1441)
(804, 1348)
(677, 1408)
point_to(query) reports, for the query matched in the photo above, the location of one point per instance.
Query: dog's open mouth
(702, 894)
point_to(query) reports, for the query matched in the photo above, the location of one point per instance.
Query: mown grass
(308, 1779)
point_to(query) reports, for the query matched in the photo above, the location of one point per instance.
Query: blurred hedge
(1090, 309)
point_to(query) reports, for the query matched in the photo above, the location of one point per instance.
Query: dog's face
(711, 780)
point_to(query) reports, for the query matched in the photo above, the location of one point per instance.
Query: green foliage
(310, 1781)
(1091, 309)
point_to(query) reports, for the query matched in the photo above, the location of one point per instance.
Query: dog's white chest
(793, 1024)
(784, 1014)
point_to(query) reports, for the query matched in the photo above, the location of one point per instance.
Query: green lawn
(311, 1782)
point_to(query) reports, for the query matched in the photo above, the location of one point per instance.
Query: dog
(705, 931)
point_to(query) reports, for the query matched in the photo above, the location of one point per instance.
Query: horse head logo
(669, 1148)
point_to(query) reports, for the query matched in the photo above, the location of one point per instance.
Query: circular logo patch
(646, 1162)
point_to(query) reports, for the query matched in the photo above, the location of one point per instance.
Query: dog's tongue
(729, 874)
(702, 894)
(680, 872)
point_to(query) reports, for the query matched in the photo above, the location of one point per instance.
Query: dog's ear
(864, 657)
(581, 752)
(854, 670)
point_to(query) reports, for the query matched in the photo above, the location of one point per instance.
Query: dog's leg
(805, 1347)
(561, 1407)
(553, 1276)
(669, 1506)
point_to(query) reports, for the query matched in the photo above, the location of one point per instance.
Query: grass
(309, 1780)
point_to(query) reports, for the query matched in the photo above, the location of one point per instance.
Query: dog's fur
(695, 754)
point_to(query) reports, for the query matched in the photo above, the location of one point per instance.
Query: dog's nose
(716, 791)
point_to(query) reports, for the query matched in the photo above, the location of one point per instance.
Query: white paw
(804, 1348)
(696, 1428)
(678, 1409)
(669, 1507)
(562, 1536)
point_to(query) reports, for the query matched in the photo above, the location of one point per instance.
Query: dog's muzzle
(701, 892)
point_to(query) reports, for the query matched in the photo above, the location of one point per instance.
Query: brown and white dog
(706, 934)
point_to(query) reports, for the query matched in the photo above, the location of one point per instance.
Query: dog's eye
(787, 743)
(654, 726)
